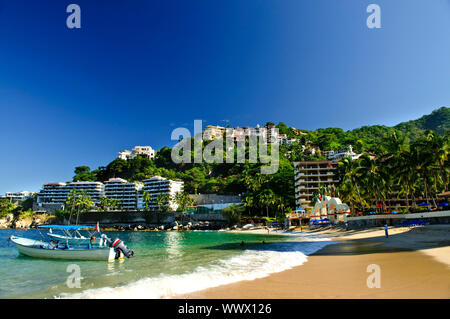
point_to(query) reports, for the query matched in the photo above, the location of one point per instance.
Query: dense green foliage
(413, 172)
(22, 209)
(6, 207)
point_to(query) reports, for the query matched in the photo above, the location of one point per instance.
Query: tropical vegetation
(411, 172)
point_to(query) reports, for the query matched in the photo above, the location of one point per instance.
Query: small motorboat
(55, 250)
(107, 249)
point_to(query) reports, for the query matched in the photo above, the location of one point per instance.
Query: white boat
(40, 249)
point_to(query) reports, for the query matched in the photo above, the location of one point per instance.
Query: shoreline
(413, 262)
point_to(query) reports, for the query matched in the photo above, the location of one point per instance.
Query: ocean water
(165, 264)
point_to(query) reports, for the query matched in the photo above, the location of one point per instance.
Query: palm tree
(147, 198)
(405, 176)
(163, 201)
(183, 200)
(423, 164)
(350, 173)
(439, 149)
(81, 201)
(267, 198)
(71, 202)
(249, 201)
(371, 174)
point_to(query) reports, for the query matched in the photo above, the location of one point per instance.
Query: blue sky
(138, 69)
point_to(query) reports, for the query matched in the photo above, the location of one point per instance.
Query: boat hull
(32, 248)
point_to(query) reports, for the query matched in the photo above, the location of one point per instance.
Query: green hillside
(438, 121)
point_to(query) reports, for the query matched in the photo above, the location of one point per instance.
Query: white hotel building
(56, 193)
(126, 192)
(160, 185)
(130, 195)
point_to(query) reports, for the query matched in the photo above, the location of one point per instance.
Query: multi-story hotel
(131, 195)
(160, 185)
(56, 193)
(127, 193)
(309, 175)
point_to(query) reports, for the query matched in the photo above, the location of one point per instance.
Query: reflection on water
(173, 249)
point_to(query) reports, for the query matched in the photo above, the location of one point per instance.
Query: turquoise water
(165, 264)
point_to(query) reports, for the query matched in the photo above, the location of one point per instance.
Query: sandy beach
(413, 263)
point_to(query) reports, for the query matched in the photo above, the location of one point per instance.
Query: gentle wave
(251, 264)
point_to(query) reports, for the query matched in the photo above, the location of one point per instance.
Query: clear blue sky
(138, 69)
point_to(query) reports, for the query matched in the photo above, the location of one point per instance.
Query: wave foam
(251, 264)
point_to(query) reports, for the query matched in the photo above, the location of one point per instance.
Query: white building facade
(16, 197)
(159, 185)
(126, 192)
(57, 193)
(145, 151)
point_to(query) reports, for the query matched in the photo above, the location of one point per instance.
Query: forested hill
(438, 121)
(373, 138)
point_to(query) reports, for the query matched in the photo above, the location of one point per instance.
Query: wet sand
(413, 264)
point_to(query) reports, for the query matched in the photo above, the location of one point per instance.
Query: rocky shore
(11, 221)
(152, 227)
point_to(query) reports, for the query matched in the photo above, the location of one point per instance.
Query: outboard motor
(118, 246)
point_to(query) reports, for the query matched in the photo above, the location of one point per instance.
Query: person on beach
(386, 230)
